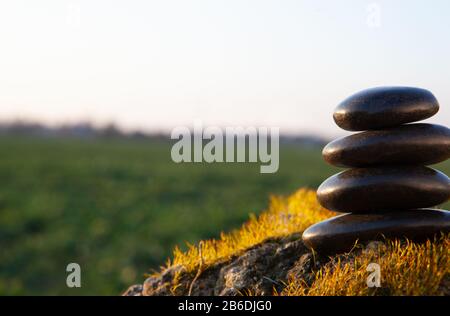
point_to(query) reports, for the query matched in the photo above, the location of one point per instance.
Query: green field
(117, 207)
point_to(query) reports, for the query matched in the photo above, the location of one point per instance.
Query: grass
(118, 208)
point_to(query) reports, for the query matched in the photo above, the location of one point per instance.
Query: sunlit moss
(284, 217)
(407, 268)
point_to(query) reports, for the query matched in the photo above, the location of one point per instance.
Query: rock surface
(420, 144)
(263, 269)
(258, 270)
(337, 234)
(364, 190)
(383, 107)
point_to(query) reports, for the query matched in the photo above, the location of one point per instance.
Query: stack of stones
(388, 191)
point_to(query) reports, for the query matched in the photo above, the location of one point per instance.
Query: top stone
(385, 107)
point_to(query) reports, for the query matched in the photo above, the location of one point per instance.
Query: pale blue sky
(158, 64)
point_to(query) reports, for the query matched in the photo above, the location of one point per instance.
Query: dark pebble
(420, 144)
(384, 107)
(339, 234)
(364, 190)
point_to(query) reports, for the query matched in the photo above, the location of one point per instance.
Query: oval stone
(383, 107)
(420, 144)
(340, 233)
(364, 190)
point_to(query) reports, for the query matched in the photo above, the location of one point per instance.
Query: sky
(155, 65)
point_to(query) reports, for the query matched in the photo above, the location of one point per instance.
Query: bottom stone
(339, 234)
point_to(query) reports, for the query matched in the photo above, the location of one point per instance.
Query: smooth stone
(364, 190)
(339, 234)
(384, 107)
(420, 144)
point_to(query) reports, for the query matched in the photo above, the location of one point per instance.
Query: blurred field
(119, 207)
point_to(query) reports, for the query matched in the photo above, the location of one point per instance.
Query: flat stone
(340, 233)
(383, 107)
(419, 144)
(364, 190)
